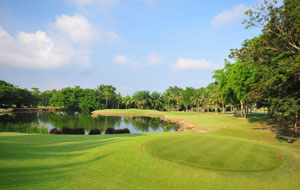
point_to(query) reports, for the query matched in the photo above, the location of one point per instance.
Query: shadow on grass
(38, 159)
(282, 129)
(29, 175)
(62, 146)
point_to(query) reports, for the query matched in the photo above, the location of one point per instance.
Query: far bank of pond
(43, 122)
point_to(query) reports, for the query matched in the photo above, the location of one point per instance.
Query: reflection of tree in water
(19, 118)
(23, 128)
(82, 120)
(110, 121)
(21, 123)
(167, 126)
(146, 123)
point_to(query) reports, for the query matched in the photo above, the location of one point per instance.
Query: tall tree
(108, 92)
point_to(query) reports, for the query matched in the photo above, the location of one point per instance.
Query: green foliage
(107, 92)
(11, 96)
(142, 99)
(266, 72)
(77, 99)
(45, 97)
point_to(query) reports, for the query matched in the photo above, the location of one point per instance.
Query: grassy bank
(235, 154)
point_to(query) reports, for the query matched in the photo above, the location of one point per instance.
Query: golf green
(214, 152)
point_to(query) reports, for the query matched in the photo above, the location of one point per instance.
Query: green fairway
(185, 160)
(215, 152)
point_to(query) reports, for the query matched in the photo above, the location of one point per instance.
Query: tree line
(106, 97)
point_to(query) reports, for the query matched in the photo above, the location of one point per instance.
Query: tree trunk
(242, 109)
(168, 106)
(106, 102)
(296, 120)
(223, 107)
(177, 104)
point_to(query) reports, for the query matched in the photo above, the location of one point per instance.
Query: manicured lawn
(187, 160)
(215, 152)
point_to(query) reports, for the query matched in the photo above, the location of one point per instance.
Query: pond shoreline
(184, 125)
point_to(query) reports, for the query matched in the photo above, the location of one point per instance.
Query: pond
(43, 122)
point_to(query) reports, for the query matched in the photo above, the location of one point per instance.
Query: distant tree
(187, 95)
(142, 99)
(108, 92)
(127, 101)
(45, 97)
(119, 99)
(156, 101)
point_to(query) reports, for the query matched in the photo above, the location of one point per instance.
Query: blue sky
(131, 44)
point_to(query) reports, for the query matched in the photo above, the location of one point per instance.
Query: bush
(75, 131)
(66, 131)
(110, 131)
(55, 131)
(126, 130)
(95, 132)
(78, 131)
(116, 131)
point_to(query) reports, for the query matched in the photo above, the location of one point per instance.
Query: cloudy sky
(131, 44)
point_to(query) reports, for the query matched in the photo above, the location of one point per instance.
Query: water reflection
(43, 122)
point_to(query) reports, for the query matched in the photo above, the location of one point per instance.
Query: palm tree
(108, 91)
(119, 99)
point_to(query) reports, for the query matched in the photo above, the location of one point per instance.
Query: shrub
(126, 130)
(95, 132)
(66, 131)
(55, 131)
(78, 131)
(110, 131)
(75, 131)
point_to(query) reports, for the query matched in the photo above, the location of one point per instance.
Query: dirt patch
(184, 125)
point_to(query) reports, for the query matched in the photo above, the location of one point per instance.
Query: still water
(43, 122)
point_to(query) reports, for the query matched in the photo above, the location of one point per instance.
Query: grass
(186, 160)
(215, 152)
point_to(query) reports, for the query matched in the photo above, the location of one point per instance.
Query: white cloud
(121, 60)
(151, 59)
(77, 28)
(194, 64)
(45, 50)
(229, 16)
(37, 50)
(67, 41)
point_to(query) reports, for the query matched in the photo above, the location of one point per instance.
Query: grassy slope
(119, 161)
